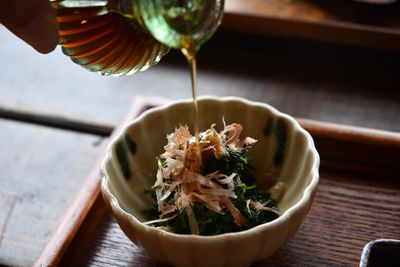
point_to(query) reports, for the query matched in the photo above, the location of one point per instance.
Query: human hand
(33, 21)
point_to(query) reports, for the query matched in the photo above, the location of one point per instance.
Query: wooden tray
(357, 201)
(340, 21)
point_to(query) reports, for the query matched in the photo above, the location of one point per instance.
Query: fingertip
(41, 33)
(48, 40)
(34, 22)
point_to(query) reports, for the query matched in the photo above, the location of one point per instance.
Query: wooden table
(55, 118)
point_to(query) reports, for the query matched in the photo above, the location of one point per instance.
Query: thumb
(33, 21)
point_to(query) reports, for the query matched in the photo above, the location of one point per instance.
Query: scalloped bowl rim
(307, 194)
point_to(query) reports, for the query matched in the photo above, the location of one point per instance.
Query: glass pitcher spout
(122, 37)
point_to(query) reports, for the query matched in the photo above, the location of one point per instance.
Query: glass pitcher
(122, 37)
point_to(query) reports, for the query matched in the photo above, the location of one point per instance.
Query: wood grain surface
(358, 152)
(341, 21)
(351, 85)
(40, 172)
(88, 192)
(347, 213)
(347, 85)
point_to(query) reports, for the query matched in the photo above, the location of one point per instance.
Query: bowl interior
(283, 149)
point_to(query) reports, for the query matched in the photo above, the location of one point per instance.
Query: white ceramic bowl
(130, 167)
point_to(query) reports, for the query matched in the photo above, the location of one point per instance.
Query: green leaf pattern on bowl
(278, 128)
(124, 147)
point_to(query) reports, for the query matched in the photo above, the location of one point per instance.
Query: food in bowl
(204, 187)
(129, 169)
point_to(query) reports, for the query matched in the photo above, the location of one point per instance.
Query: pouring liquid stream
(191, 58)
(190, 52)
(122, 37)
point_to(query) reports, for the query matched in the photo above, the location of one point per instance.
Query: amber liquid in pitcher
(109, 41)
(105, 42)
